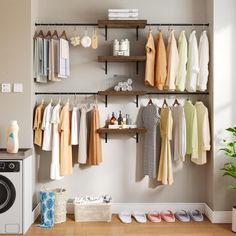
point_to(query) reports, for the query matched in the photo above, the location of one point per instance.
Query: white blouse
(203, 62)
(193, 64)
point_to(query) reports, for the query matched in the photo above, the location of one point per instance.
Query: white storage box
(92, 212)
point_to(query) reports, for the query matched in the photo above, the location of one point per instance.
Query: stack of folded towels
(123, 14)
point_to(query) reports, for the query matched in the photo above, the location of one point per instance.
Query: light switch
(18, 88)
(6, 88)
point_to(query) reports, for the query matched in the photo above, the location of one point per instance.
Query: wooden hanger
(150, 102)
(63, 35)
(176, 102)
(165, 104)
(55, 35)
(48, 35)
(40, 34)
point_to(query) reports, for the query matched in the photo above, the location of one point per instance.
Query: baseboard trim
(215, 217)
(35, 213)
(218, 217)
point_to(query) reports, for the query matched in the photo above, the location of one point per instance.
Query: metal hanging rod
(67, 93)
(95, 24)
(178, 24)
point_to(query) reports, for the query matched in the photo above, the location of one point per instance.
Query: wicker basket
(60, 205)
(92, 212)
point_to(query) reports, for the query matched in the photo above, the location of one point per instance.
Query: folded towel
(123, 18)
(123, 15)
(122, 10)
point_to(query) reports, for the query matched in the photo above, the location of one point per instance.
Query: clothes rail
(148, 24)
(67, 93)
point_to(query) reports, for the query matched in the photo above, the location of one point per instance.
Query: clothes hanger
(40, 34)
(55, 35)
(63, 35)
(48, 35)
(165, 103)
(59, 101)
(51, 101)
(35, 35)
(176, 102)
(42, 102)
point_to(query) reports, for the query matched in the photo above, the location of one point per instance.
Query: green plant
(230, 151)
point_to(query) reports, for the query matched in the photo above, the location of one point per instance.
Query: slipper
(140, 217)
(125, 217)
(154, 216)
(168, 216)
(182, 215)
(196, 215)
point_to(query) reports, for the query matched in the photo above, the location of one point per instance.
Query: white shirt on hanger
(47, 128)
(203, 133)
(203, 62)
(55, 164)
(64, 59)
(179, 133)
(183, 57)
(75, 122)
(192, 64)
(82, 153)
(172, 61)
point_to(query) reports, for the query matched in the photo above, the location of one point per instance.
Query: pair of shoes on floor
(156, 217)
(126, 217)
(185, 216)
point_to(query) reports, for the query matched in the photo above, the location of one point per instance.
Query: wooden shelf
(111, 92)
(121, 131)
(126, 24)
(136, 59)
(135, 131)
(121, 58)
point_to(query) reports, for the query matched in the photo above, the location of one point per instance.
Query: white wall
(224, 94)
(15, 67)
(120, 174)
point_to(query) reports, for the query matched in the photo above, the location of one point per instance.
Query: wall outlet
(18, 88)
(6, 88)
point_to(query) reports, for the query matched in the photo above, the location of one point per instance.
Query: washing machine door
(7, 194)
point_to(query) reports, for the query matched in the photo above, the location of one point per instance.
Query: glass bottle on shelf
(120, 119)
(113, 119)
(128, 120)
(108, 121)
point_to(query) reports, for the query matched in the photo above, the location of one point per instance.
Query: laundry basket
(60, 205)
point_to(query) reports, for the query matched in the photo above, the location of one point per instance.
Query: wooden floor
(134, 229)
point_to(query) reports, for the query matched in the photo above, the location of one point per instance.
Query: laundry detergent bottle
(12, 137)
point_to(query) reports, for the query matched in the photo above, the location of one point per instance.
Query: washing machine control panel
(9, 166)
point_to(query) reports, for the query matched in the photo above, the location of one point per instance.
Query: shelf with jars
(121, 125)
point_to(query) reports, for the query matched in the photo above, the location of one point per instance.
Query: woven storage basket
(60, 205)
(92, 212)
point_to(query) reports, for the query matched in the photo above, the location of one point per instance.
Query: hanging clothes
(192, 64)
(203, 62)
(38, 61)
(82, 153)
(75, 120)
(191, 129)
(172, 60)
(151, 120)
(203, 133)
(45, 57)
(55, 164)
(66, 167)
(150, 60)
(95, 146)
(64, 59)
(183, 57)
(165, 172)
(47, 128)
(38, 133)
(53, 60)
(179, 133)
(161, 62)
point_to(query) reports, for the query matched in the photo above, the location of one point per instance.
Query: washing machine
(15, 199)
